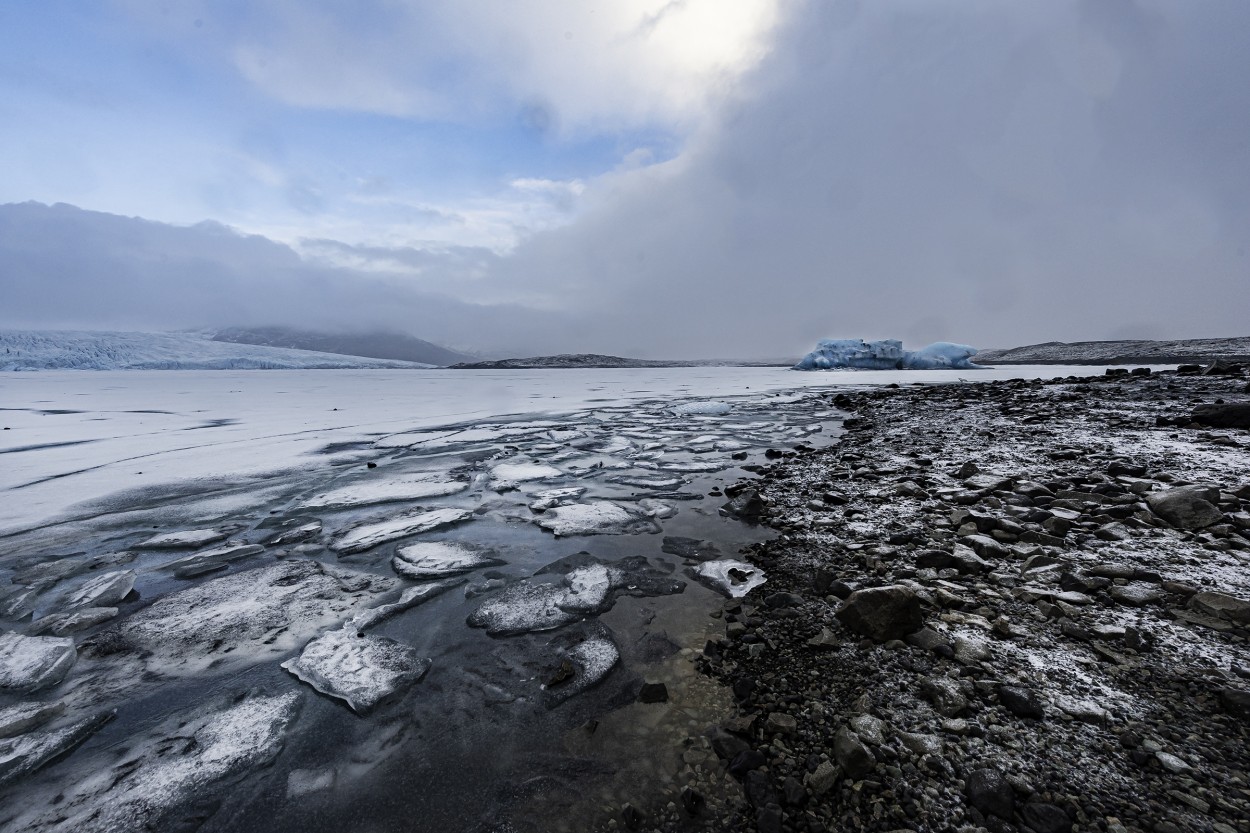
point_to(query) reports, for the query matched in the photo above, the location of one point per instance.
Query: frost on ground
(359, 668)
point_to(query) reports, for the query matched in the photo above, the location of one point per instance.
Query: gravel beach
(1017, 605)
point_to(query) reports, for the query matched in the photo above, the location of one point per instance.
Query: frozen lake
(418, 600)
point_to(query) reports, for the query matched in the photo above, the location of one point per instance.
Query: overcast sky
(682, 179)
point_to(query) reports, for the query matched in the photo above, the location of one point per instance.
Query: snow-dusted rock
(370, 535)
(359, 668)
(32, 663)
(432, 559)
(733, 578)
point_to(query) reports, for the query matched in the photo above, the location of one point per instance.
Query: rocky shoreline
(1016, 605)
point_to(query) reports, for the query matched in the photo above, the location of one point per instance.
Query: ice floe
(63, 624)
(365, 493)
(523, 607)
(733, 578)
(546, 499)
(33, 663)
(508, 475)
(366, 536)
(599, 518)
(432, 559)
(361, 669)
(209, 560)
(102, 591)
(185, 540)
(581, 662)
(23, 755)
(20, 718)
(244, 617)
(887, 354)
(408, 599)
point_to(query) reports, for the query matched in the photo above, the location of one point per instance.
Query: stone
(782, 723)
(869, 729)
(653, 693)
(1221, 605)
(852, 755)
(986, 547)
(1021, 702)
(1236, 701)
(747, 505)
(1226, 415)
(823, 779)
(947, 698)
(1184, 507)
(990, 793)
(882, 613)
(1045, 818)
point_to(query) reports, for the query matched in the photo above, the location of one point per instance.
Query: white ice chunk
(588, 588)
(188, 539)
(733, 578)
(599, 518)
(370, 535)
(20, 718)
(522, 608)
(507, 475)
(31, 663)
(656, 509)
(364, 670)
(544, 500)
(102, 591)
(366, 493)
(703, 409)
(431, 559)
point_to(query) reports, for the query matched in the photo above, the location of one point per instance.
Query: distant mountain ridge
(393, 346)
(598, 360)
(1129, 351)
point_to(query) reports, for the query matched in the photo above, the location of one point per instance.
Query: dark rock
(1021, 702)
(793, 791)
(947, 698)
(748, 506)
(653, 693)
(990, 793)
(777, 600)
(882, 613)
(852, 755)
(1236, 701)
(822, 581)
(633, 818)
(692, 801)
(1185, 507)
(745, 761)
(1222, 606)
(1045, 818)
(768, 820)
(727, 746)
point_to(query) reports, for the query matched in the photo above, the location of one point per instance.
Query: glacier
(887, 354)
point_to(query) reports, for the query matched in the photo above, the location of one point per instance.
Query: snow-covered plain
(75, 439)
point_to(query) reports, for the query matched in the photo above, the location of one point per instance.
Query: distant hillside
(371, 345)
(595, 360)
(90, 350)
(1197, 350)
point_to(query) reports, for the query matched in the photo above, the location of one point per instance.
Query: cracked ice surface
(138, 792)
(361, 669)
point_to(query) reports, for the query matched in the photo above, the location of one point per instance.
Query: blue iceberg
(887, 354)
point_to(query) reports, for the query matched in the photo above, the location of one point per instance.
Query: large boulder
(990, 793)
(1226, 415)
(1221, 605)
(1185, 507)
(882, 613)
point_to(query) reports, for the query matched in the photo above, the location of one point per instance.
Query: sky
(661, 178)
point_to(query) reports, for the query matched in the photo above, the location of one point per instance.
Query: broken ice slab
(544, 500)
(431, 559)
(243, 618)
(599, 518)
(523, 607)
(32, 663)
(369, 535)
(508, 475)
(709, 408)
(366, 493)
(19, 603)
(696, 466)
(102, 591)
(23, 755)
(410, 598)
(733, 578)
(643, 481)
(209, 560)
(185, 540)
(303, 532)
(63, 624)
(44, 574)
(581, 662)
(361, 669)
(656, 509)
(184, 761)
(691, 548)
(20, 718)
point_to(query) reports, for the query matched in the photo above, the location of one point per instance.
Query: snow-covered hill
(84, 350)
(1196, 350)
